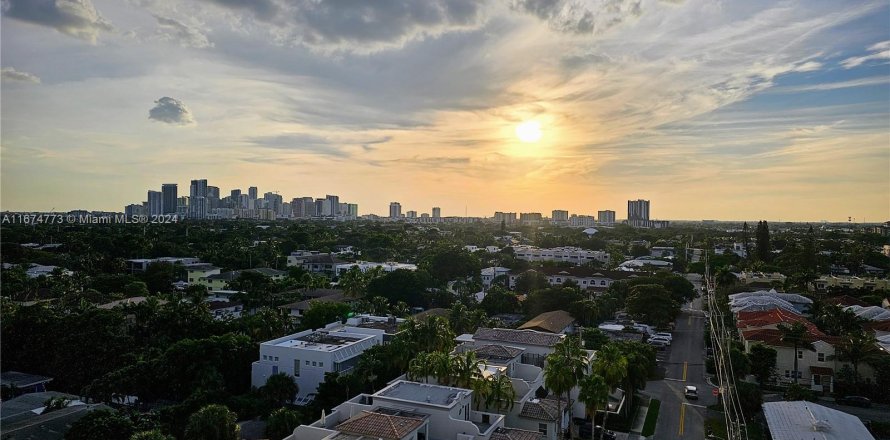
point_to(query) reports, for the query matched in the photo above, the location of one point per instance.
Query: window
(321, 364)
(602, 282)
(296, 367)
(276, 358)
(787, 374)
(800, 354)
(820, 357)
(542, 428)
(307, 363)
(314, 364)
(274, 369)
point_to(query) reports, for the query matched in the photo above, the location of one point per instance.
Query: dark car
(587, 430)
(864, 402)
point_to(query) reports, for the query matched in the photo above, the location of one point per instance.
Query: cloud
(171, 111)
(879, 51)
(360, 26)
(315, 144)
(171, 29)
(76, 18)
(576, 17)
(10, 74)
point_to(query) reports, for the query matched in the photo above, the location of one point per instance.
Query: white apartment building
(365, 266)
(490, 273)
(406, 410)
(570, 254)
(585, 277)
(309, 354)
(826, 282)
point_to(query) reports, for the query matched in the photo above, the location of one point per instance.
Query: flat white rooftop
(802, 420)
(423, 393)
(320, 340)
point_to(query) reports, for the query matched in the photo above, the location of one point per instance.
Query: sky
(725, 110)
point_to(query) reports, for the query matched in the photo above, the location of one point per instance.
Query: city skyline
(726, 111)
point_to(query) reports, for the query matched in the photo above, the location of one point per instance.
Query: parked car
(657, 343)
(587, 430)
(691, 392)
(660, 338)
(667, 335)
(864, 402)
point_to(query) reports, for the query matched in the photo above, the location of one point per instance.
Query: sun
(529, 131)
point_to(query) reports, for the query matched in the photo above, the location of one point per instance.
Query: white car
(666, 335)
(662, 339)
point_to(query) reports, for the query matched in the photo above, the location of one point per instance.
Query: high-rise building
(168, 198)
(395, 210)
(252, 192)
(133, 210)
(334, 203)
(155, 206)
(605, 217)
(505, 217)
(559, 216)
(411, 214)
(319, 208)
(198, 205)
(273, 201)
(352, 210)
(213, 191)
(182, 206)
(637, 209)
(437, 212)
(530, 217)
(236, 194)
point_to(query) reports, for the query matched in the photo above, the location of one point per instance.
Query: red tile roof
(377, 425)
(844, 300)
(754, 320)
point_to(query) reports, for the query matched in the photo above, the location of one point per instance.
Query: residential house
(308, 355)
(797, 420)
(557, 321)
(141, 264)
(586, 277)
(574, 255)
(314, 262)
(490, 273)
(220, 281)
(365, 266)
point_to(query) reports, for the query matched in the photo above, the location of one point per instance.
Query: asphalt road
(683, 362)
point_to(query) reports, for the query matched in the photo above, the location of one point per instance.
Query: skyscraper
(638, 213)
(559, 216)
(638, 209)
(155, 206)
(168, 198)
(252, 192)
(605, 217)
(334, 202)
(235, 194)
(437, 212)
(395, 210)
(198, 206)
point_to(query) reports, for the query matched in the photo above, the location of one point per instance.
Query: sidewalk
(640, 419)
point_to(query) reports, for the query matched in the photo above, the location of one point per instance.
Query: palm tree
(280, 388)
(212, 422)
(353, 282)
(611, 364)
(572, 353)
(481, 391)
(501, 395)
(797, 335)
(441, 366)
(420, 367)
(465, 369)
(855, 348)
(594, 391)
(559, 377)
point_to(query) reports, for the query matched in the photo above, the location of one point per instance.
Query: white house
(309, 354)
(407, 410)
(574, 255)
(585, 277)
(365, 266)
(490, 273)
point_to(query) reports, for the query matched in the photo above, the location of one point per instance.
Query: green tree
(136, 288)
(740, 363)
(611, 364)
(281, 423)
(652, 303)
(763, 362)
(855, 348)
(465, 369)
(594, 391)
(280, 388)
(399, 285)
(212, 422)
(420, 367)
(559, 379)
(762, 242)
(100, 424)
(797, 335)
(501, 395)
(530, 281)
(322, 313)
(154, 434)
(448, 263)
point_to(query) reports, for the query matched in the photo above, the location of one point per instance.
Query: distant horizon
(711, 109)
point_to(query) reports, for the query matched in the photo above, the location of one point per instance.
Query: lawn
(651, 418)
